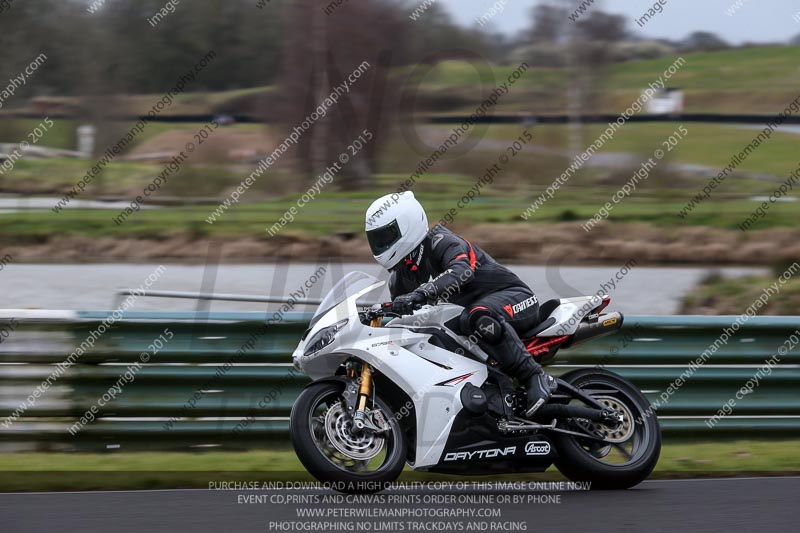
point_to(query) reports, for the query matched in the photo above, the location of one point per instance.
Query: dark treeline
(103, 50)
(116, 50)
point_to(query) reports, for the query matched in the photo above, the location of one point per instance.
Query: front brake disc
(339, 429)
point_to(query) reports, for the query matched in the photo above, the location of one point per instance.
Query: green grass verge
(347, 210)
(710, 145)
(655, 201)
(744, 68)
(31, 471)
(743, 80)
(723, 296)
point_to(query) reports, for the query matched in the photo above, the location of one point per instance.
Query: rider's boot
(514, 360)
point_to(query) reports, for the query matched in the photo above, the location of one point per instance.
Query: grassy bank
(346, 212)
(171, 470)
(532, 168)
(745, 80)
(647, 220)
(718, 295)
(184, 236)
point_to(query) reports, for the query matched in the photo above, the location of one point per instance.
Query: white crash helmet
(396, 224)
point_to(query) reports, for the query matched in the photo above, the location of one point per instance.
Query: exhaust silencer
(597, 327)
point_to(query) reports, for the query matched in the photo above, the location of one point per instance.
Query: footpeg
(532, 410)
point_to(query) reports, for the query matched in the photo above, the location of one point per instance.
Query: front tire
(586, 460)
(321, 437)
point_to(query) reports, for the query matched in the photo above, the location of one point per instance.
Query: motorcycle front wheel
(327, 444)
(633, 447)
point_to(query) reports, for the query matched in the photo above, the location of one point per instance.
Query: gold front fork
(365, 389)
(363, 395)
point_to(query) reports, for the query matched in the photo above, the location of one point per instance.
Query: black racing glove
(405, 304)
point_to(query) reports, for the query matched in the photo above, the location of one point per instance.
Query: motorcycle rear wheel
(637, 439)
(324, 440)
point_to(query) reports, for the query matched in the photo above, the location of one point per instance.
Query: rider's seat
(545, 321)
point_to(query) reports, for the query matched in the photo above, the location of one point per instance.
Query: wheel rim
(629, 442)
(625, 429)
(335, 439)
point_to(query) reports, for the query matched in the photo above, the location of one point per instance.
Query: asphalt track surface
(746, 504)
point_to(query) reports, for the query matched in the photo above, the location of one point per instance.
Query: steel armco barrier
(201, 362)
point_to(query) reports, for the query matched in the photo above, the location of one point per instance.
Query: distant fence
(204, 362)
(456, 118)
(518, 118)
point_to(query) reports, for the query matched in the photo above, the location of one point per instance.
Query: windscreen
(348, 286)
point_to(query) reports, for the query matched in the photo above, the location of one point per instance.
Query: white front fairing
(431, 376)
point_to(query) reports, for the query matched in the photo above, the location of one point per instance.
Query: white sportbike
(413, 390)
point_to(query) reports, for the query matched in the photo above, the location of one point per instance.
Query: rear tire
(578, 464)
(317, 454)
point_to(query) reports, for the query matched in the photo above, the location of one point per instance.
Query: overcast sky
(756, 20)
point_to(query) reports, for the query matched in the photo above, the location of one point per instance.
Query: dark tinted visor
(383, 238)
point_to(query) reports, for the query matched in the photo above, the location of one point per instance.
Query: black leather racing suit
(448, 268)
(498, 306)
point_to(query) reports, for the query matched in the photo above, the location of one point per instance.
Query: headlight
(323, 337)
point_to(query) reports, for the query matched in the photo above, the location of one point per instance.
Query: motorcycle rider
(430, 265)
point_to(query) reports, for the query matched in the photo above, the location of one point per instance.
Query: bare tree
(322, 52)
(549, 23)
(595, 38)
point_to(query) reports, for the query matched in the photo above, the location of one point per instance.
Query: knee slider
(489, 329)
(480, 322)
